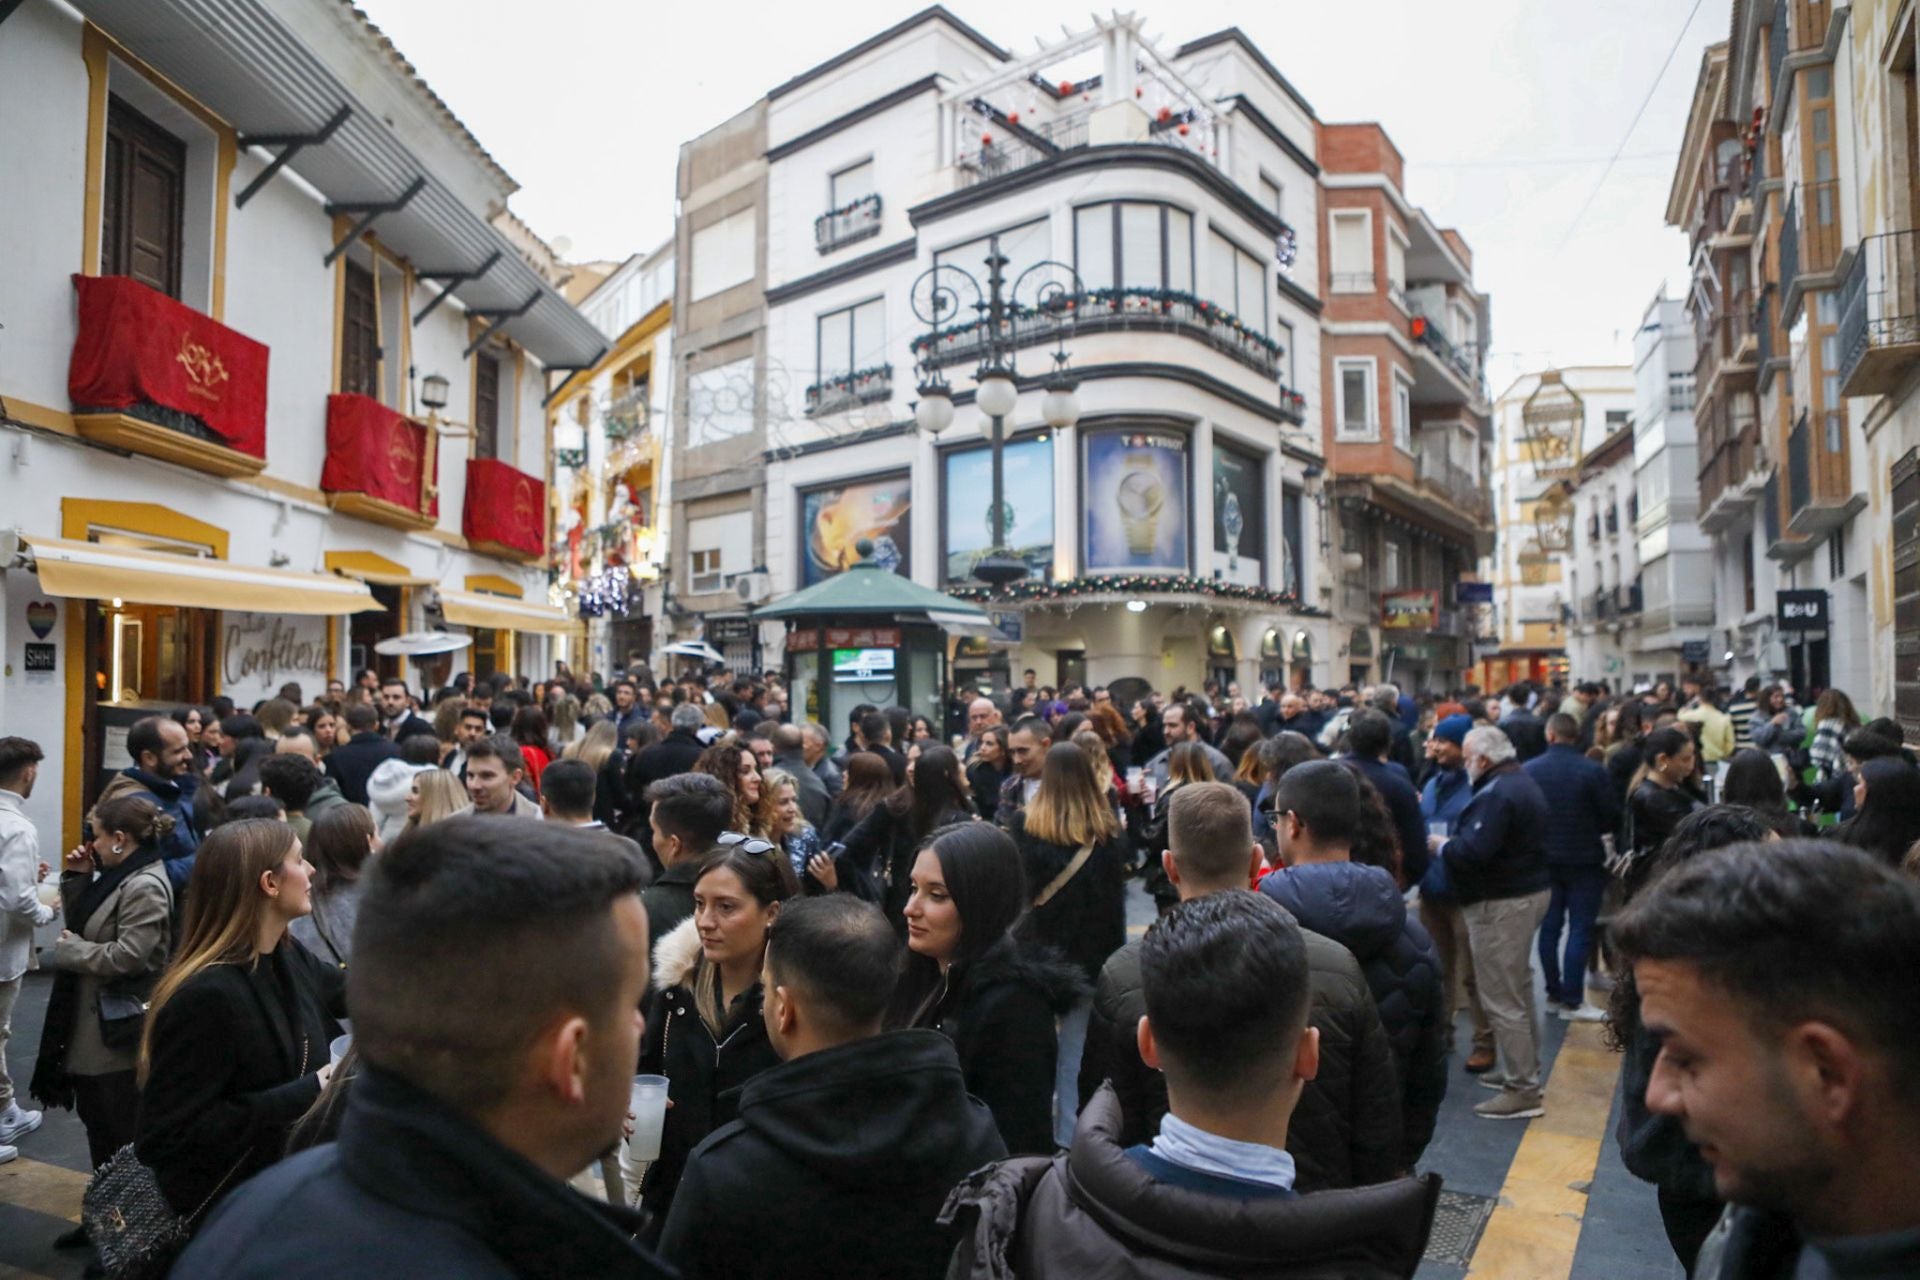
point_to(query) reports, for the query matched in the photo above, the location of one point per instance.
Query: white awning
(90, 571)
(498, 613)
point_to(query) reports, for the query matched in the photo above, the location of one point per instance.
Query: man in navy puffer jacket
(1361, 908)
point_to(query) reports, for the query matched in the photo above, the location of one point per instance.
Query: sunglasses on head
(749, 844)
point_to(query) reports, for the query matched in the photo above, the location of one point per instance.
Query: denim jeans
(1576, 893)
(1066, 1072)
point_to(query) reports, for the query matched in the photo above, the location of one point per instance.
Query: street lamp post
(936, 296)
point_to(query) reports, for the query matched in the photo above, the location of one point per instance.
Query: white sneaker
(8, 1153)
(1585, 1013)
(14, 1122)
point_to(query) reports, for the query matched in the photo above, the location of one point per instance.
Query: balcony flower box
(505, 512)
(381, 465)
(155, 377)
(862, 386)
(855, 220)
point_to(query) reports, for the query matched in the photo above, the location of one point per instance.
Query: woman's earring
(116, 848)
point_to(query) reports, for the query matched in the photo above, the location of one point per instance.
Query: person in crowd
(1740, 709)
(118, 908)
(1590, 705)
(989, 766)
(494, 771)
(247, 755)
(877, 736)
(1369, 741)
(798, 839)
(232, 730)
(867, 781)
(1112, 726)
(446, 726)
(1187, 764)
(276, 716)
(1242, 732)
(1653, 1147)
(675, 753)
(982, 714)
(195, 721)
(1250, 773)
(252, 806)
(920, 729)
(353, 762)
(323, 725)
(856, 1127)
(1774, 726)
(1715, 727)
(530, 732)
(1226, 984)
(1523, 728)
(1182, 722)
(1886, 810)
(398, 720)
(162, 769)
(1149, 736)
(473, 726)
(995, 995)
(627, 707)
(735, 766)
(1581, 816)
(1833, 719)
(493, 994)
(564, 727)
(340, 844)
(882, 846)
(1627, 749)
(789, 754)
(1664, 792)
(817, 748)
(573, 802)
(1070, 851)
(1496, 865)
(601, 750)
(390, 785)
(1442, 799)
(686, 815)
(21, 912)
(235, 1044)
(436, 795)
(1027, 744)
(1752, 779)
(707, 994)
(1782, 983)
(757, 741)
(1360, 907)
(291, 778)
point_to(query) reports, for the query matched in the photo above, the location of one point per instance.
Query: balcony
(1454, 484)
(155, 377)
(1809, 240)
(1880, 314)
(628, 417)
(1820, 495)
(1003, 145)
(1461, 362)
(1293, 406)
(1120, 311)
(1593, 527)
(1725, 359)
(505, 512)
(1714, 219)
(1763, 338)
(1350, 282)
(1730, 481)
(849, 390)
(1613, 522)
(381, 465)
(854, 221)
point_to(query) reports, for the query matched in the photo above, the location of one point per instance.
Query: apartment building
(1675, 558)
(271, 377)
(1602, 622)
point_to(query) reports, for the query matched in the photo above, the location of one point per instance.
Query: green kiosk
(868, 635)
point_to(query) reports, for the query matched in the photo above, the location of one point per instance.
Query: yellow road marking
(1536, 1226)
(43, 1188)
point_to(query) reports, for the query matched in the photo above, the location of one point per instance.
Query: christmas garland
(570, 459)
(854, 384)
(623, 424)
(1116, 302)
(852, 206)
(1035, 591)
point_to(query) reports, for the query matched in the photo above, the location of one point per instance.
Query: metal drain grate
(1458, 1221)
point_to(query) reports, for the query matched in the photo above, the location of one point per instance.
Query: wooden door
(360, 335)
(145, 184)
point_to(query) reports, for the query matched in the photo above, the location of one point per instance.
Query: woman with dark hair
(232, 730)
(1886, 810)
(735, 766)
(196, 720)
(1752, 779)
(1277, 755)
(323, 726)
(530, 733)
(246, 758)
(866, 781)
(1243, 732)
(1630, 726)
(704, 1029)
(1069, 843)
(882, 844)
(1375, 843)
(1663, 791)
(1654, 1147)
(967, 976)
(1149, 739)
(1775, 728)
(338, 845)
(989, 770)
(920, 729)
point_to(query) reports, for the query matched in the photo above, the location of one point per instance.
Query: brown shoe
(1480, 1060)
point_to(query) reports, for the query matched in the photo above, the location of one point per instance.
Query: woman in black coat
(882, 845)
(1666, 792)
(997, 997)
(704, 1030)
(989, 770)
(239, 1025)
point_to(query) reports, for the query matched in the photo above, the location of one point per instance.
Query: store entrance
(368, 629)
(141, 660)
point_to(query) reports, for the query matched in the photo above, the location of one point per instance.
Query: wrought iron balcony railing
(1880, 314)
(856, 220)
(846, 390)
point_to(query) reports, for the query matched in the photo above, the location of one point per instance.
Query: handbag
(1067, 873)
(122, 1009)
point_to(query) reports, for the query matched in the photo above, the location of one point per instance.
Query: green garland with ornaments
(1101, 303)
(1035, 591)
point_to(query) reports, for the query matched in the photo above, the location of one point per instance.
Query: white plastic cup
(338, 1049)
(48, 892)
(647, 1103)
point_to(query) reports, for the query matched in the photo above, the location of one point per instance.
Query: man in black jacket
(352, 762)
(396, 712)
(1527, 731)
(1496, 863)
(1347, 1129)
(843, 1154)
(686, 814)
(1581, 810)
(496, 970)
(673, 754)
(1369, 741)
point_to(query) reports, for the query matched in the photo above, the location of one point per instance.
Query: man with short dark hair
(1027, 751)
(686, 814)
(1591, 699)
(1182, 721)
(876, 736)
(1442, 801)
(396, 711)
(472, 726)
(352, 762)
(1782, 981)
(497, 970)
(673, 754)
(494, 770)
(1525, 730)
(1317, 809)
(567, 797)
(162, 770)
(1348, 1131)
(789, 753)
(1226, 980)
(842, 1155)
(1369, 741)
(291, 779)
(627, 711)
(1582, 812)
(21, 912)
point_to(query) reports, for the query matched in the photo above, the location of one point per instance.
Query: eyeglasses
(747, 843)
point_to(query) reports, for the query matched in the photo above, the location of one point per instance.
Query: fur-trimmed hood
(676, 956)
(1017, 959)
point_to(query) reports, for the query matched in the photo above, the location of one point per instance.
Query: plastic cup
(1437, 829)
(48, 892)
(338, 1049)
(647, 1103)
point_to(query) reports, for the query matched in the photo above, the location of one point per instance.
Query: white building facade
(271, 379)
(1675, 557)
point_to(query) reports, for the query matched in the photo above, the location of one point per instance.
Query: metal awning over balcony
(244, 63)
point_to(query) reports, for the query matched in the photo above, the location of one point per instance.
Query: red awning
(138, 346)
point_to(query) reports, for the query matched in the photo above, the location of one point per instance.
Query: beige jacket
(130, 933)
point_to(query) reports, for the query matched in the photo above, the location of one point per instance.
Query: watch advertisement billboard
(1136, 502)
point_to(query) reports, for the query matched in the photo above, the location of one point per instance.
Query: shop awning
(469, 609)
(368, 566)
(90, 571)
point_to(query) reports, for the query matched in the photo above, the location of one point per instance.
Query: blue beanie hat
(1453, 729)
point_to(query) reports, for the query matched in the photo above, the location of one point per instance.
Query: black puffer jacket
(1345, 1131)
(1086, 920)
(1096, 1211)
(1360, 908)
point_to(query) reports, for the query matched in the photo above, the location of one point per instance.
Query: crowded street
(980, 643)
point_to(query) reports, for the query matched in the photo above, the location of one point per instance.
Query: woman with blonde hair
(1070, 847)
(276, 717)
(435, 794)
(237, 1031)
(594, 746)
(564, 714)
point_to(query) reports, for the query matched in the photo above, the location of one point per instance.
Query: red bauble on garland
(1166, 114)
(1066, 88)
(986, 139)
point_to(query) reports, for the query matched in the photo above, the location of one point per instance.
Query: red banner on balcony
(137, 345)
(377, 451)
(505, 507)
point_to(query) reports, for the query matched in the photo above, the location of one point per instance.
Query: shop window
(143, 200)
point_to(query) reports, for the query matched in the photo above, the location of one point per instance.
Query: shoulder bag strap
(1067, 873)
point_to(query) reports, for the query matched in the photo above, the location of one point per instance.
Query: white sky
(1506, 112)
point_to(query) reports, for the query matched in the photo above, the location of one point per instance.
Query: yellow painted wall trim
(620, 353)
(58, 421)
(79, 517)
(93, 52)
(74, 763)
(229, 152)
(494, 584)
